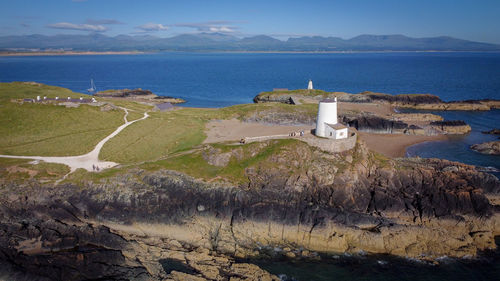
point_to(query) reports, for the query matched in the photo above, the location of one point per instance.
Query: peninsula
(199, 193)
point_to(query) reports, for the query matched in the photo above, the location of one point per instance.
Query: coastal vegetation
(228, 163)
(21, 170)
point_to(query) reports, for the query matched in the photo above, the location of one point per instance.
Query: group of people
(95, 168)
(295, 134)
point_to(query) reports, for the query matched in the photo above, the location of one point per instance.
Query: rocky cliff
(296, 200)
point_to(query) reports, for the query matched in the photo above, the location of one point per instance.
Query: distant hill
(224, 42)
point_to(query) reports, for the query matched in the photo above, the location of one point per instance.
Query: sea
(225, 79)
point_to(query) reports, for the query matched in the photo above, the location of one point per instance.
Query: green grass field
(50, 130)
(164, 140)
(17, 170)
(250, 155)
(164, 133)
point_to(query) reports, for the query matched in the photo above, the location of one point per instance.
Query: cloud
(212, 26)
(222, 29)
(82, 27)
(152, 27)
(102, 21)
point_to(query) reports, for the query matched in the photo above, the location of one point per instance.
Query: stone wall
(332, 145)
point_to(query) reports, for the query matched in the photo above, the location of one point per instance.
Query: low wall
(325, 144)
(272, 137)
(331, 145)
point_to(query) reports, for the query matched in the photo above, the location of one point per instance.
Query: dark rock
(123, 93)
(375, 124)
(492, 148)
(492, 132)
(49, 233)
(404, 98)
(449, 123)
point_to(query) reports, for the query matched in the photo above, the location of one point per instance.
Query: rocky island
(138, 95)
(411, 101)
(492, 147)
(189, 201)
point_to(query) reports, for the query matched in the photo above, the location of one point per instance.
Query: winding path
(87, 161)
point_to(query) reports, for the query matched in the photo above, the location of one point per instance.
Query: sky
(477, 20)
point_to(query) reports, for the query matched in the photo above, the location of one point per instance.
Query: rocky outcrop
(492, 148)
(414, 101)
(416, 117)
(122, 93)
(297, 201)
(456, 127)
(404, 98)
(276, 116)
(307, 95)
(376, 124)
(492, 132)
(380, 125)
(138, 94)
(169, 99)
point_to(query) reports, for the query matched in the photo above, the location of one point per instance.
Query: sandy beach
(394, 145)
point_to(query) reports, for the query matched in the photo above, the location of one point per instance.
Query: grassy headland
(51, 130)
(47, 129)
(166, 140)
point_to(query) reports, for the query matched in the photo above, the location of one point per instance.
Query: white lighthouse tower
(327, 125)
(310, 85)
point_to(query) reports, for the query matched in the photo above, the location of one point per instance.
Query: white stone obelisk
(310, 85)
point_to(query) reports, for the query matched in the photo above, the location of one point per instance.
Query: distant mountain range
(224, 42)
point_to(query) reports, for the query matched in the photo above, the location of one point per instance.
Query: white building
(310, 85)
(327, 125)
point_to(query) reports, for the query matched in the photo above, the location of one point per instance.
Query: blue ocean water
(222, 79)
(457, 147)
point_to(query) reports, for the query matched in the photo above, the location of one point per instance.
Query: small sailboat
(92, 88)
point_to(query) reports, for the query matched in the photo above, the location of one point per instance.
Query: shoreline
(82, 53)
(70, 53)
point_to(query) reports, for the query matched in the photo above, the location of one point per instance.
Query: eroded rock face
(376, 124)
(150, 226)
